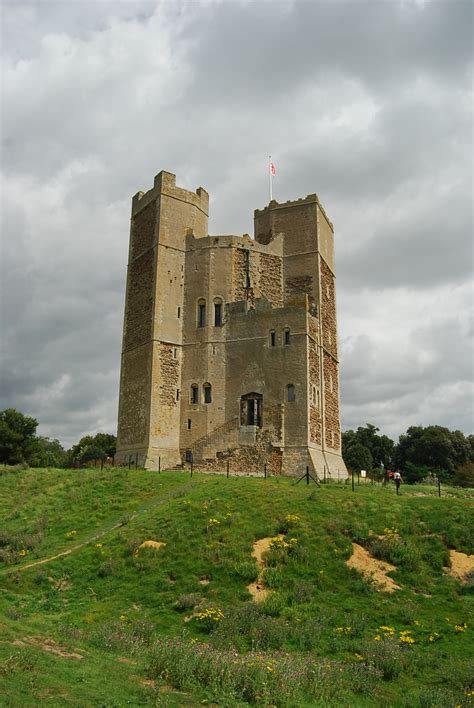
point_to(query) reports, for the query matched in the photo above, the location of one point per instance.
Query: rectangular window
(217, 314)
(286, 336)
(207, 393)
(202, 314)
(272, 339)
(179, 312)
(189, 423)
(177, 394)
(194, 395)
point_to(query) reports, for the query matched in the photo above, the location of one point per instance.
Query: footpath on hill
(156, 502)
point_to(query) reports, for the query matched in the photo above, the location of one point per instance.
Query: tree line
(19, 444)
(420, 453)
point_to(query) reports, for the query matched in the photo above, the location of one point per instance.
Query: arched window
(207, 393)
(194, 394)
(272, 338)
(217, 312)
(286, 336)
(201, 313)
(290, 392)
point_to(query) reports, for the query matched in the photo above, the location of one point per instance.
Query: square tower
(230, 343)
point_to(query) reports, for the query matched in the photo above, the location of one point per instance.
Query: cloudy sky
(367, 103)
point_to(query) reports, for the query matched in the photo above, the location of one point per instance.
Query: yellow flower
(359, 657)
(23, 552)
(292, 518)
(434, 636)
(377, 638)
(460, 627)
(406, 639)
(123, 618)
(270, 668)
(98, 545)
(214, 522)
(69, 534)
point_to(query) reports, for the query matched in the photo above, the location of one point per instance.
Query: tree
(358, 457)
(92, 447)
(431, 446)
(17, 436)
(364, 448)
(48, 453)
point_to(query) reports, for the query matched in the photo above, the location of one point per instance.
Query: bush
(186, 602)
(121, 635)
(249, 627)
(386, 655)
(108, 567)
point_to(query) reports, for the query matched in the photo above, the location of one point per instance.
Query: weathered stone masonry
(230, 343)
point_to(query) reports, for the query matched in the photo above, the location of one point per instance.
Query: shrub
(186, 602)
(249, 627)
(386, 655)
(108, 567)
(117, 635)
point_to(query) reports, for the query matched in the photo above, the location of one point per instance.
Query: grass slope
(324, 635)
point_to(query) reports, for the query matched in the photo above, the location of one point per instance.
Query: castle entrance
(251, 409)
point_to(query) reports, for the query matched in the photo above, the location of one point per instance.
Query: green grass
(130, 616)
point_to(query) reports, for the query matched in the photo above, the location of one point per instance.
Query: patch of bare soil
(48, 645)
(204, 581)
(372, 569)
(150, 544)
(462, 566)
(257, 589)
(125, 660)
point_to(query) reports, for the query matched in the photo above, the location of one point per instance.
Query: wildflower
(98, 545)
(405, 639)
(387, 630)
(70, 534)
(460, 627)
(122, 618)
(344, 630)
(321, 572)
(213, 522)
(270, 668)
(417, 622)
(23, 552)
(377, 638)
(292, 518)
(359, 657)
(434, 636)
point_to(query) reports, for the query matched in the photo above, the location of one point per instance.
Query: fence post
(307, 475)
(353, 480)
(191, 464)
(136, 460)
(439, 487)
(324, 472)
(265, 471)
(159, 465)
(227, 469)
(129, 461)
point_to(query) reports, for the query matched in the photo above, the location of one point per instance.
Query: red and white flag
(272, 169)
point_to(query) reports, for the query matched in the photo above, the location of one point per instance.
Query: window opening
(194, 394)
(179, 312)
(290, 392)
(272, 338)
(177, 394)
(207, 393)
(189, 424)
(286, 336)
(217, 314)
(201, 313)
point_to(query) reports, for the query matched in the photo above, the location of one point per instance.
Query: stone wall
(328, 309)
(169, 376)
(331, 402)
(270, 280)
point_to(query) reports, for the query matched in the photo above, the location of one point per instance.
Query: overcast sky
(367, 103)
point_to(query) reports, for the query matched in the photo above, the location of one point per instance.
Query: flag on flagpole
(272, 169)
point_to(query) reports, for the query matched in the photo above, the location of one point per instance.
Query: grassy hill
(104, 622)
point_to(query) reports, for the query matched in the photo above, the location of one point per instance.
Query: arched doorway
(251, 406)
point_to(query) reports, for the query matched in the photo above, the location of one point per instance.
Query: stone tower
(230, 343)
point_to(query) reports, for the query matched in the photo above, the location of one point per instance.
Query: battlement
(233, 241)
(165, 183)
(309, 199)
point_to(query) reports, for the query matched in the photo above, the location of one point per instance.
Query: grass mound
(177, 624)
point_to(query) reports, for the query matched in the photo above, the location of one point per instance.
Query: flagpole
(270, 175)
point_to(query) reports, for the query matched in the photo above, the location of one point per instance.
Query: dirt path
(257, 589)
(372, 569)
(99, 534)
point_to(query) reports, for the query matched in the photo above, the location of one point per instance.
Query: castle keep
(229, 343)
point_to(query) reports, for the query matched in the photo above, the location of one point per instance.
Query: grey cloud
(365, 103)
